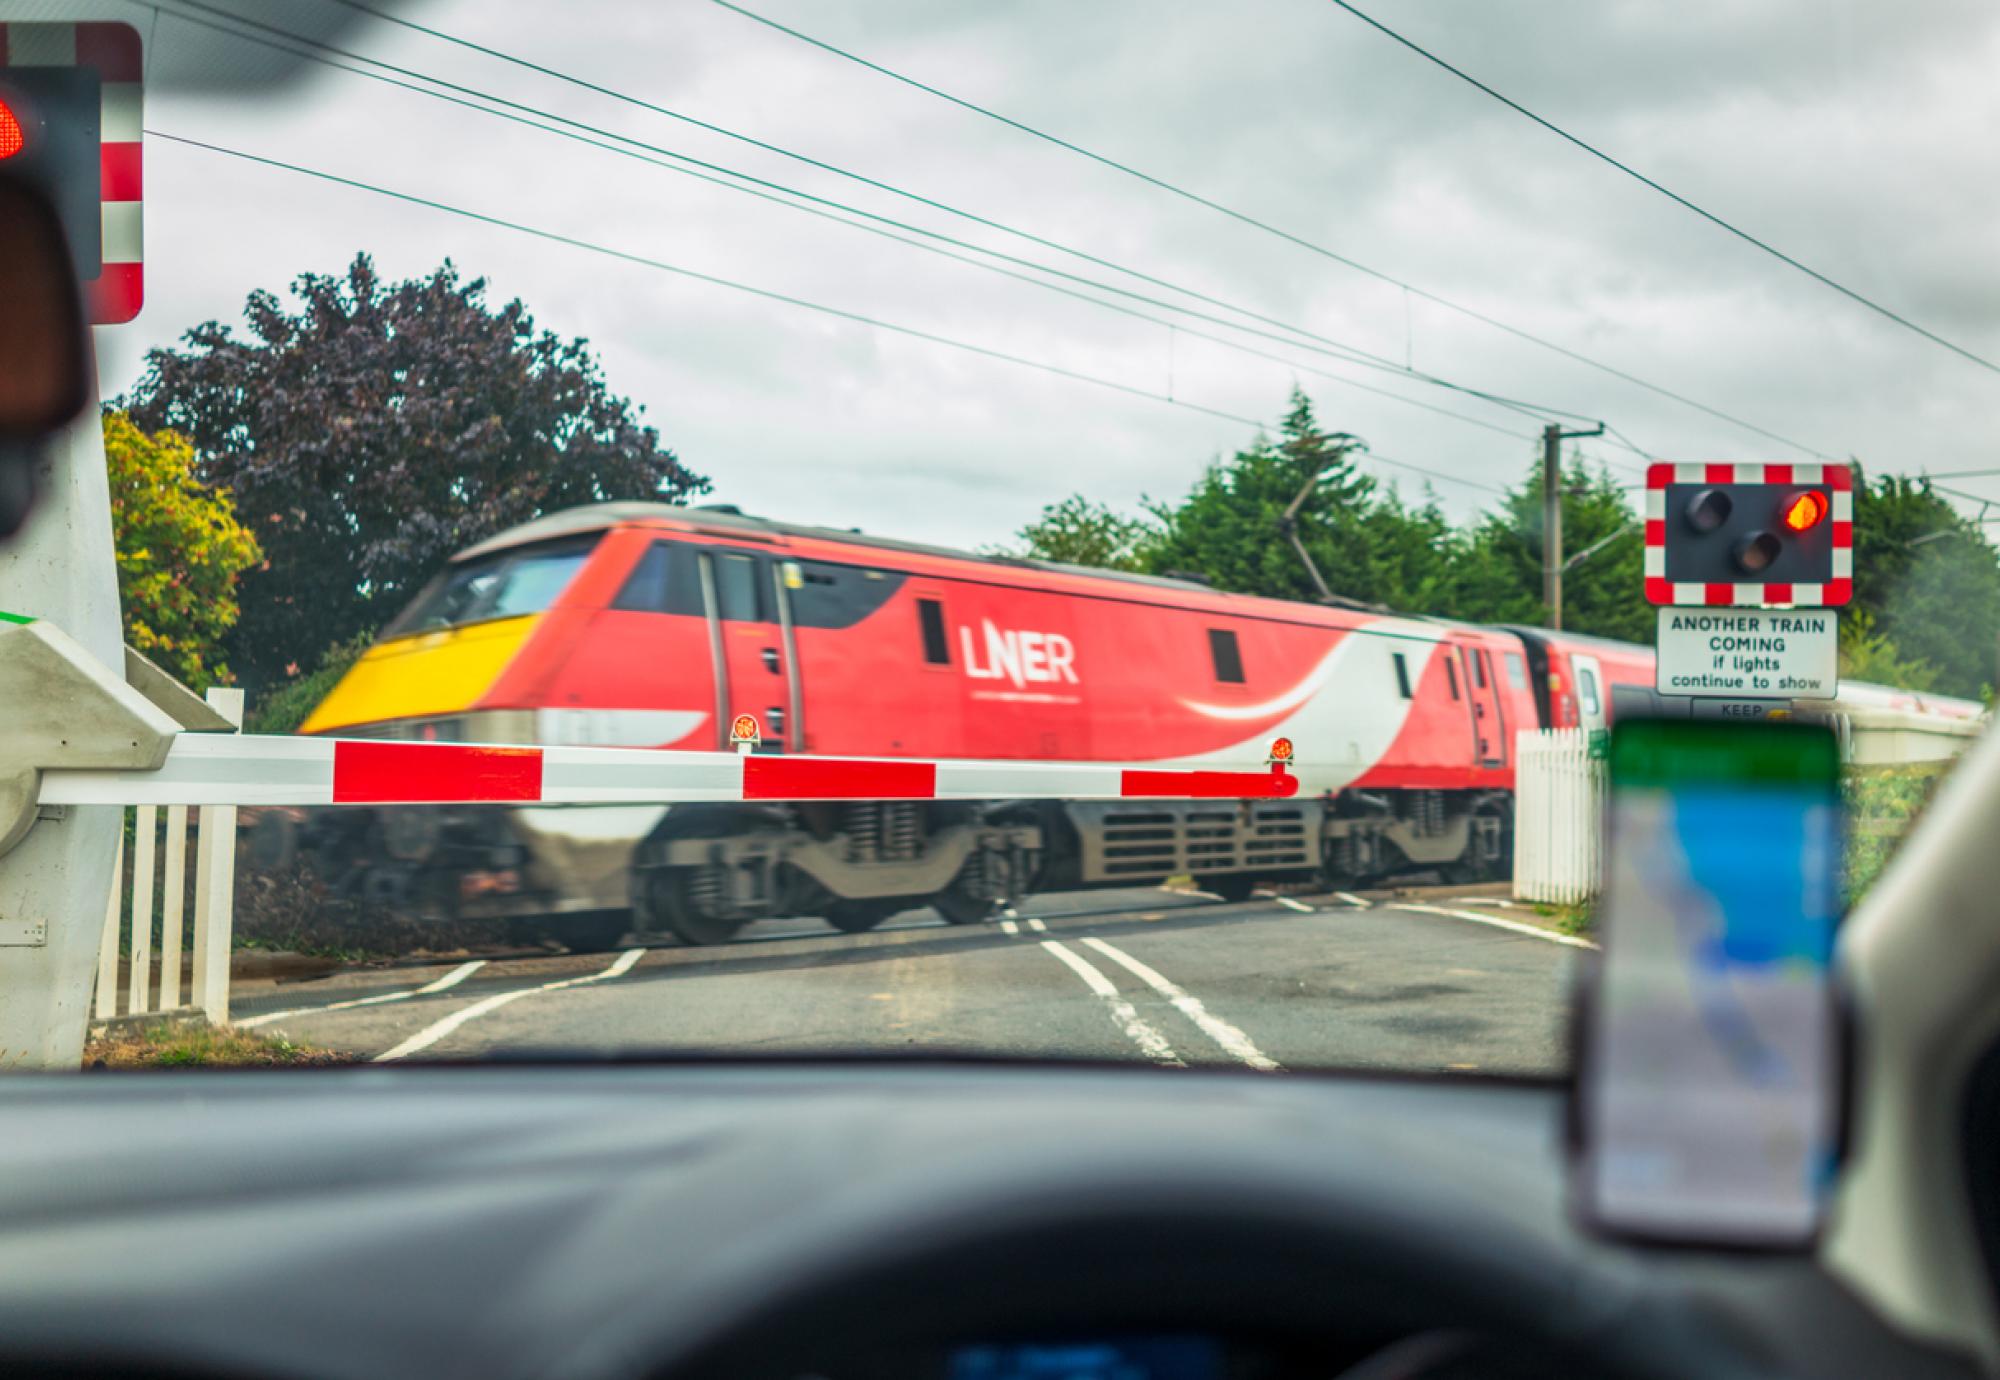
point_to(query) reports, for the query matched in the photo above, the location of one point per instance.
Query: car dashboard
(956, 1221)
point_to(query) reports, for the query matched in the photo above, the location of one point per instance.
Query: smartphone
(1710, 1055)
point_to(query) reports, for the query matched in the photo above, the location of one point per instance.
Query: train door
(1592, 696)
(752, 663)
(1489, 721)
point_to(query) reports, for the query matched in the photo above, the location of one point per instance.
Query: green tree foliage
(1497, 576)
(1928, 581)
(285, 706)
(1077, 531)
(1368, 543)
(375, 428)
(180, 550)
(1866, 653)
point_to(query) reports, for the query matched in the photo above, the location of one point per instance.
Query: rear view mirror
(45, 369)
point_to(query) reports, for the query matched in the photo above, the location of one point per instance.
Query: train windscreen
(505, 584)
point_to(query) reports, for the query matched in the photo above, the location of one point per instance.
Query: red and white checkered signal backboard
(1836, 480)
(116, 54)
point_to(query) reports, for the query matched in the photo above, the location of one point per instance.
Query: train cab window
(1227, 656)
(1517, 671)
(739, 588)
(505, 584)
(1402, 674)
(1451, 674)
(930, 618)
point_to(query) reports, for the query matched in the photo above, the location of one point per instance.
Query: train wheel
(591, 932)
(1230, 886)
(960, 909)
(858, 917)
(672, 904)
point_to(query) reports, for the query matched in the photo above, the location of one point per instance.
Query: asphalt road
(1166, 977)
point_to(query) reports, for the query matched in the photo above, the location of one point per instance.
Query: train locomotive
(649, 625)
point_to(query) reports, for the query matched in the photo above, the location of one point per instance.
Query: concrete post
(60, 566)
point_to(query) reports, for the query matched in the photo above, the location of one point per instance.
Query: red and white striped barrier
(249, 769)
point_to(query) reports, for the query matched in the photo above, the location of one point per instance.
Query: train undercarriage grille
(1164, 839)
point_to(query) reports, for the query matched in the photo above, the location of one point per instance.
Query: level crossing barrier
(216, 772)
(1559, 797)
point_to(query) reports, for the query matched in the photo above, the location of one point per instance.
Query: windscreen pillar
(59, 567)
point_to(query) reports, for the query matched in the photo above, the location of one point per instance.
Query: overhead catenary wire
(1669, 193)
(794, 199)
(1233, 213)
(1340, 349)
(768, 294)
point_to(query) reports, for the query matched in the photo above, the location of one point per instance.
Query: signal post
(71, 96)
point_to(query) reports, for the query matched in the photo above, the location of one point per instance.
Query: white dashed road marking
(1290, 904)
(1122, 1012)
(1351, 899)
(443, 984)
(1233, 1041)
(1038, 927)
(436, 1031)
(1009, 927)
(1501, 923)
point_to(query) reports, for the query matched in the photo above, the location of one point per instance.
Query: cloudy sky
(1862, 138)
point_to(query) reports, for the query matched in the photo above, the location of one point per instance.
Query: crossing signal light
(1724, 534)
(12, 137)
(1805, 511)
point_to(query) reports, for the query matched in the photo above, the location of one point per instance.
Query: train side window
(1479, 669)
(1402, 674)
(1227, 656)
(737, 586)
(1517, 672)
(1451, 674)
(1586, 689)
(930, 617)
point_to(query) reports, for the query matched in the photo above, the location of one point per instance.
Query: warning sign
(1749, 654)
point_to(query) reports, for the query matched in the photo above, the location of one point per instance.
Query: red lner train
(642, 624)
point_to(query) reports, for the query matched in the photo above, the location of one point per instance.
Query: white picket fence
(1559, 794)
(201, 981)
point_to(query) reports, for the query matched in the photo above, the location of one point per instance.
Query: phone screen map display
(1711, 1097)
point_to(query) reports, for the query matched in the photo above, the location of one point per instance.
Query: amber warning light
(743, 735)
(1805, 511)
(1281, 752)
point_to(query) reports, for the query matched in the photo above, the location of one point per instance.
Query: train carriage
(638, 624)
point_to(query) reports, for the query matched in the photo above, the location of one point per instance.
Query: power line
(303, 52)
(1339, 349)
(660, 265)
(1664, 191)
(1186, 194)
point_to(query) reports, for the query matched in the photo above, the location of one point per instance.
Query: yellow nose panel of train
(423, 676)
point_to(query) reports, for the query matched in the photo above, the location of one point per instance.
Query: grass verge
(1577, 921)
(166, 1046)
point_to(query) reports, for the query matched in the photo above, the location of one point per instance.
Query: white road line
(1009, 927)
(1501, 923)
(1122, 1012)
(436, 1031)
(1233, 1041)
(1351, 899)
(443, 984)
(1299, 906)
(1038, 927)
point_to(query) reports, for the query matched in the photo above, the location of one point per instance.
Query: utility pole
(1552, 518)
